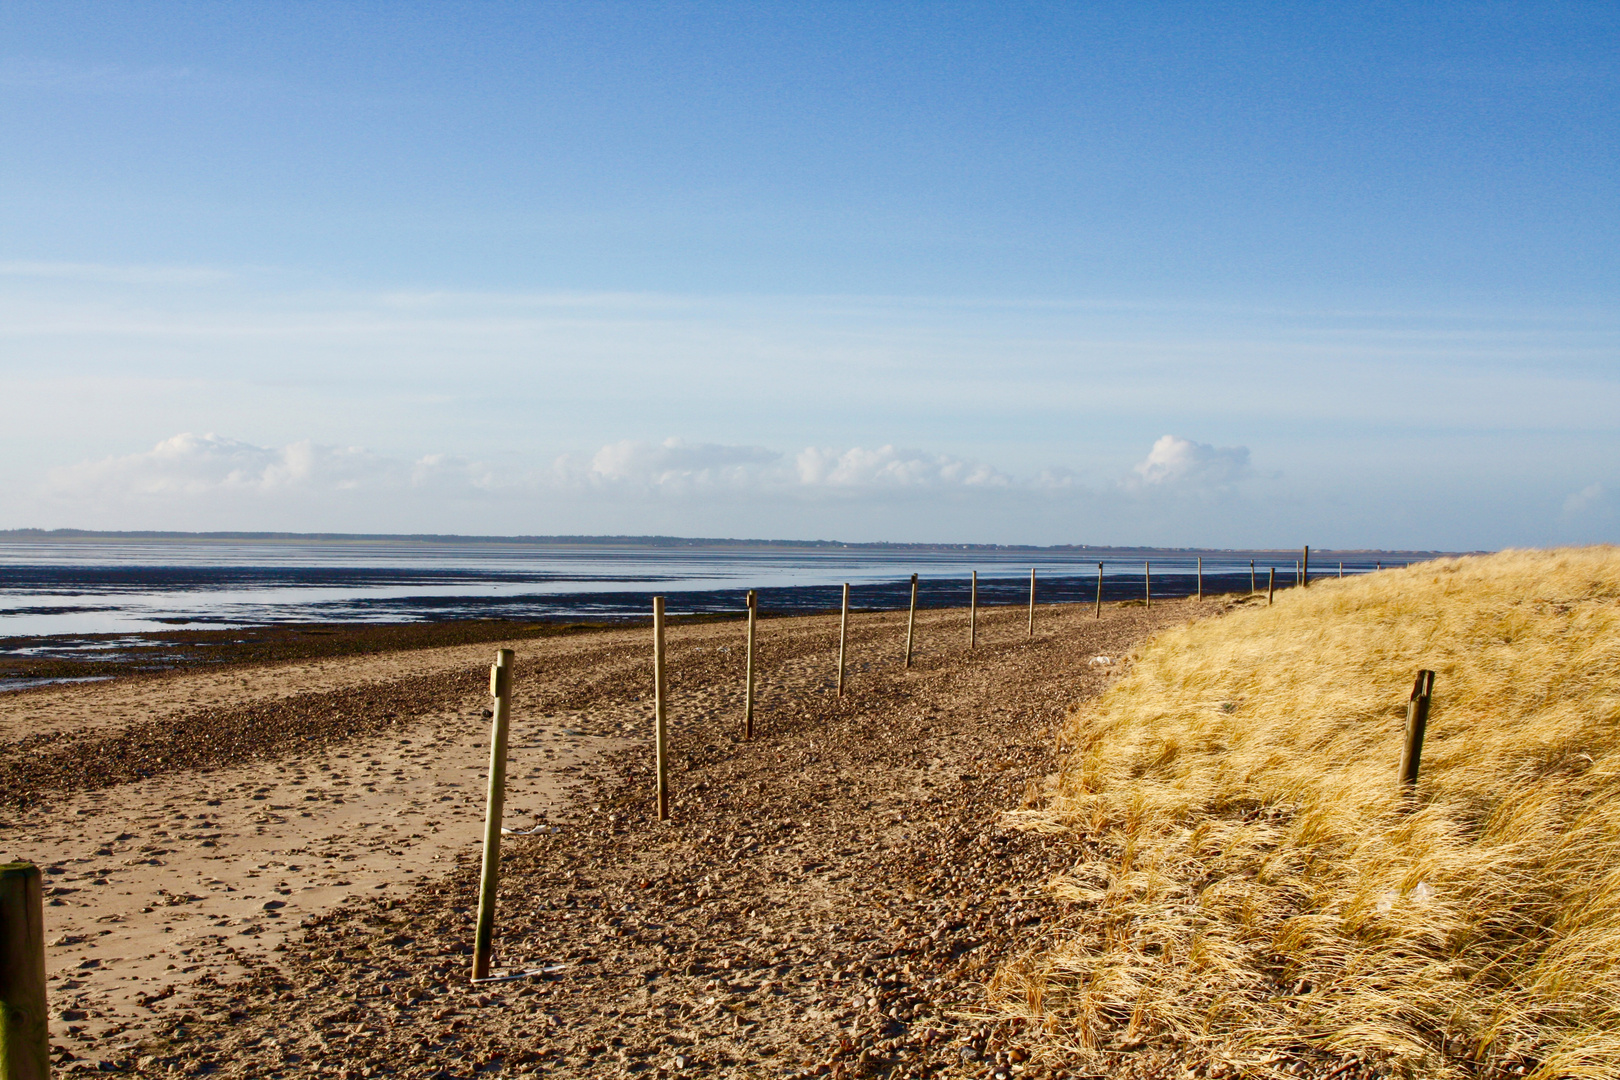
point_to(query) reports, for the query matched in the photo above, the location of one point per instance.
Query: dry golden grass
(1249, 883)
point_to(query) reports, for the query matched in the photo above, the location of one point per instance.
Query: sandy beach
(219, 844)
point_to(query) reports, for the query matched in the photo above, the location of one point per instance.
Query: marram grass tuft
(1250, 884)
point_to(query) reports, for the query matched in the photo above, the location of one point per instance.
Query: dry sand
(217, 883)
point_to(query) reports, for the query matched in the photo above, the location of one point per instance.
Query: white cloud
(190, 465)
(193, 467)
(888, 468)
(1181, 463)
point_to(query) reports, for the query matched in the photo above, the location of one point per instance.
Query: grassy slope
(1249, 882)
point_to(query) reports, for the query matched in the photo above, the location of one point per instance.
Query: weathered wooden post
(1271, 586)
(660, 708)
(25, 1043)
(843, 639)
(911, 621)
(748, 703)
(1341, 568)
(1099, 590)
(1252, 589)
(1147, 583)
(973, 612)
(1305, 567)
(1200, 577)
(500, 688)
(1031, 602)
(1417, 722)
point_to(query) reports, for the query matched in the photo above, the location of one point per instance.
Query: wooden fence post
(1200, 577)
(748, 704)
(1031, 602)
(973, 612)
(1147, 583)
(911, 621)
(25, 1043)
(843, 639)
(500, 688)
(1305, 567)
(1099, 590)
(1271, 586)
(660, 707)
(1341, 568)
(1252, 589)
(1417, 722)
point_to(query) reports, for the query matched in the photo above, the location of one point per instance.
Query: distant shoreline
(70, 535)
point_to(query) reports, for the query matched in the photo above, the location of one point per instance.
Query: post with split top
(1417, 722)
(500, 688)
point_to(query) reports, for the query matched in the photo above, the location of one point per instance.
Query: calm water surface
(109, 587)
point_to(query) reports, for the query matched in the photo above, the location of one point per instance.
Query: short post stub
(1305, 567)
(1200, 577)
(911, 621)
(660, 704)
(1417, 722)
(973, 612)
(1099, 589)
(1031, 603)
(25, 1044)
(500, 688)
(748, 702)
(1271, 586)
(843, 639)
(1147, 584)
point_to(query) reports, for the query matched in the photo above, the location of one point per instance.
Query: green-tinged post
(500, 687)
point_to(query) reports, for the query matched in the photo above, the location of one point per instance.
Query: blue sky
(1178, 274)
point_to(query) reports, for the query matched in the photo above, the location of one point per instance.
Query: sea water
(111, 586)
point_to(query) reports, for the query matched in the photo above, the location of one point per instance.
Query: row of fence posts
(24, 1033)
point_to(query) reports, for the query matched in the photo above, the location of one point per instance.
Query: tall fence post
(1031, 602)
(1099, 590)
(1147, 583)
(1341, 568)
(500, 688)
(1200, 577)
(973, 612)
(1417, 722)
(1305, 567)
(843, 639)
(25, 1043)
(660, 710)
(748, 703)
(911, 621)
(1252, 589)
(1271, 586)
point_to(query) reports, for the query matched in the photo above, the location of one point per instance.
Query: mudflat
(269, 870)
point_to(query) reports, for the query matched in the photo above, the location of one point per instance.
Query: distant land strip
(645, 541)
